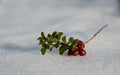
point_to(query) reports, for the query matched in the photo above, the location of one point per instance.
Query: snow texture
(21, 22)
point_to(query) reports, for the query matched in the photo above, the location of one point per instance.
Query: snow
(21, 22)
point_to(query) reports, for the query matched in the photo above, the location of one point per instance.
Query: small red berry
(80, 45)
(76, 53)
(82, 52)
(71, 52)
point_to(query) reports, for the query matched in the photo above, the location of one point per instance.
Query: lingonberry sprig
(57, 40)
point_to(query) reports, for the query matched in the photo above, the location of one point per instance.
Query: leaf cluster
(56, 40)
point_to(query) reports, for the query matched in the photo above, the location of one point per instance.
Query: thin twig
(95, 34)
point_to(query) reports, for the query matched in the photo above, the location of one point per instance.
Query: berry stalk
(95, 34)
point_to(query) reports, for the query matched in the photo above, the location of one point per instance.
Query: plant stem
(95, 34)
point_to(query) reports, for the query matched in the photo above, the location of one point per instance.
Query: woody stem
(95, 34)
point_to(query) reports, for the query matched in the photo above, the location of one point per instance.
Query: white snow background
(21, 22)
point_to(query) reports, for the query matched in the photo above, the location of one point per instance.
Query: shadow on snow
(14, 47)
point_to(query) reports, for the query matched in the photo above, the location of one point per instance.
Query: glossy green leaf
(73, 47)
(42, 34)
(69, 43)
(56, 45)
(43, 51)
(50, 42)
(42, 41)
(54, 33)
(62, 49)
(49, 36)
(51, 49)
(75, 41)
(64, 39)
(59, 35)
(47, 46)
(71, 39)
(54, 40)
(38, 38)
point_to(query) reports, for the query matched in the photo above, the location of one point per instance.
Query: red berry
(80, 45)
(76, 53)
(71, 52)
(82, 52)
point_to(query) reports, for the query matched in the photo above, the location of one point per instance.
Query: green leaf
(42, 41)
(49, 36)
(71, 39)
(54, 33)
(54, 40)
(47, 46)
(69, 43)
(75, 41)
(43, 51)
(59, 35)
(51, 49)
(73, 47)
(50, 42)
(64, 39)
(44, 45)
(42, 34)
(62, 49)
(38, 38)
(56, 45)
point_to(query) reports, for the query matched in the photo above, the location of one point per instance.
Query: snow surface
(21, 22)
